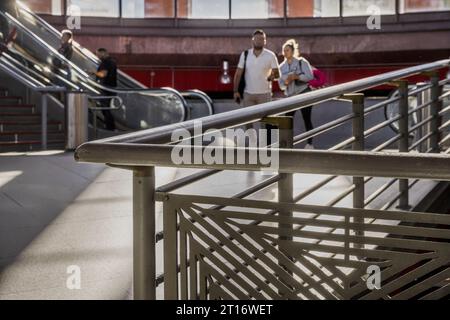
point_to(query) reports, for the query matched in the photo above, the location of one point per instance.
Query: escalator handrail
(42, 43)
(25, 79)
(86, 76)
(19, 74)
(202, 95)
(35, 73)
(76, 45)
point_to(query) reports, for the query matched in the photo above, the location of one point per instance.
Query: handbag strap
(300, 63)
(245, 60)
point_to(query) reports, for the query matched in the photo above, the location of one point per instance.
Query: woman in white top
(296, 73)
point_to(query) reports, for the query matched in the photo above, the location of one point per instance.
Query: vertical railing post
(170, 251)
(397, 10)
(286, 183)
(420, 116)
(358, 127)
(285, 125)
(44, 112)
(403, 125)
(94, 113)
(435, 108)
(144, 257)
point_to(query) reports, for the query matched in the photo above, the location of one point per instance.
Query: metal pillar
(94, 113)
(358, 127)
(435, 108)
(286, 182)
(285, 125)
(144, 256)
(420, 117)
(403, 124)
(170, 251)
(44, 111)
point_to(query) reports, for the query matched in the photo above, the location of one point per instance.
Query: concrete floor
(56, 213)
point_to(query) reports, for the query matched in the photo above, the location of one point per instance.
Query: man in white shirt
(261, 68)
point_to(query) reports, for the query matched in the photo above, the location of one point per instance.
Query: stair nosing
(31, 142)
(10, 133)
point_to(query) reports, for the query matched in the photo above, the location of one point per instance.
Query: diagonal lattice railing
(317, 253)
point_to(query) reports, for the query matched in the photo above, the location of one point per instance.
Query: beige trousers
(255, 99)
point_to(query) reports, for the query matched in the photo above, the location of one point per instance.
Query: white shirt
(258, 69)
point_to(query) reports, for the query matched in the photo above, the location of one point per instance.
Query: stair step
(25, 109)
(8, 99)
(20, 117)
(8, 143)
(19, 105)
(13, 126)
(31, 146)
(11, 98)
(30, 136)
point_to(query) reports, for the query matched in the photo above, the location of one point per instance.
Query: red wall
(208, 80)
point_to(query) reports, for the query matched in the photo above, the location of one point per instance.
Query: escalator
(34, 56)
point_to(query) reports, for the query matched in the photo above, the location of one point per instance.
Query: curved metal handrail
(203, 96)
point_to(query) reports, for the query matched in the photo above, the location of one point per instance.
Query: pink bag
(320, 79)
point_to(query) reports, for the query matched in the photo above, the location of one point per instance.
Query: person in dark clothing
(10, 7)
(107, 76)
(66, 50)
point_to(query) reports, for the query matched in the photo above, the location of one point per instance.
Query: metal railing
(209, 252)
(37, 86)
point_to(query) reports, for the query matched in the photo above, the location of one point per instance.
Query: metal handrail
(35, 73)
(364, 163)
(95, 109)
(24, 78)
(203, 96)
(256, 113)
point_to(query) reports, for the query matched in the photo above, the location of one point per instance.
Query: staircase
(20, 126)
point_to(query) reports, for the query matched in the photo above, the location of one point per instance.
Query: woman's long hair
(293, 44)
